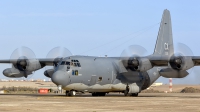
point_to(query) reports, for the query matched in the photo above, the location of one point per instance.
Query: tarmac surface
(114, 102)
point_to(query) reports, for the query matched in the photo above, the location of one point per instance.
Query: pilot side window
(67, 63)
(63, 63)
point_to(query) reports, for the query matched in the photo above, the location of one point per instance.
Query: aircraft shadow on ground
(109, 95)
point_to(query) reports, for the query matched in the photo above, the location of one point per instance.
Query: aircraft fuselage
(99, 74)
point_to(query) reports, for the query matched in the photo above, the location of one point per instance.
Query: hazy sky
(81, 25)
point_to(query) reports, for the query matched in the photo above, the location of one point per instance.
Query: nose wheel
(71, 93)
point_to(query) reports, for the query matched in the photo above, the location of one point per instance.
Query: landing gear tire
(94, 94)
(134, 94)
(71, 93)
(67, 93)
(98, 94)
(126, 91)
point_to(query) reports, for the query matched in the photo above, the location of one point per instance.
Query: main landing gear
(130, 94)
(98, 94)
(126, 92)
(70, 93)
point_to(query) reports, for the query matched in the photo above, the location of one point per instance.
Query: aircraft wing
(196, 60)
(44, 61)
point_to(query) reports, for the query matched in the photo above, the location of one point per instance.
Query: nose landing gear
(70, 93)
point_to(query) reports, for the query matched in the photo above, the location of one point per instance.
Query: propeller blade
(183, 50)
(20, 56)
(134, 50)
(130, 56)
(57, 53)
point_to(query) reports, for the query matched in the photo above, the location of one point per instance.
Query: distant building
(4, 80)
(156, 84)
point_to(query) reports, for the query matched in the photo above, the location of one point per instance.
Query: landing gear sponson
(126, 92)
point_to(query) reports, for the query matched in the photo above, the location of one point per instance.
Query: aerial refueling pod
(15, 73)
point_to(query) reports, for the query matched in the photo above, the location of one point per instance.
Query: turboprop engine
(22, 67)
(57, 54)
(49, 72)
(139, 64)
(179, 63)
(133, 58)
(24, 62)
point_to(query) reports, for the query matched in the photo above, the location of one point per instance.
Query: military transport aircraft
(101, 75)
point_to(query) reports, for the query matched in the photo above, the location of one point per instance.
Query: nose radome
(60, 78)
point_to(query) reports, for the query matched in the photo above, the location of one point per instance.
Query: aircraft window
(77, 61)
(67, 63)
(100, 79)
(78, 64)
(63, 63)
(75, 64)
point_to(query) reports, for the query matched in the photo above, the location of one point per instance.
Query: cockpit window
(78, 64)
(75, 63)
(62, 63)
(65, 63)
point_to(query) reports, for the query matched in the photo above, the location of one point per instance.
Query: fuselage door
(93, 80)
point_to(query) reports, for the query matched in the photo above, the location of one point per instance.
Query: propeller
(57, 54)
(195, 70)
(20, 58)
(182, 50)
(131, 55)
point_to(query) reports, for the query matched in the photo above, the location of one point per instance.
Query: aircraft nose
(60, 78)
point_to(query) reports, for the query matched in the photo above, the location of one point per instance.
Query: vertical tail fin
(164, 44)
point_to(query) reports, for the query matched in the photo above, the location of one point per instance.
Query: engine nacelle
(181, 62)
(27, 64)
(139, 64)
(49, 73)
(15, 73)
